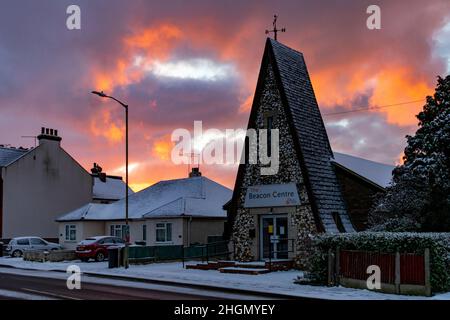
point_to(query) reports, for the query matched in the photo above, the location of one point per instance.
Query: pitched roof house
(38, 184)
(378, 174)
(260, 221)
(191, 208)
(360, 180)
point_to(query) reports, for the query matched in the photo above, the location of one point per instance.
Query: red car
(96, 247)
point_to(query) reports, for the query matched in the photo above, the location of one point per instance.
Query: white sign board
(272, 195)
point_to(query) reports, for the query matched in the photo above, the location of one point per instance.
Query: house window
(117, 230)
(144, 232)
(71, 232)
(163, 232)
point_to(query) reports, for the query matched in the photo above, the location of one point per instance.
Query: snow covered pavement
(275, 282)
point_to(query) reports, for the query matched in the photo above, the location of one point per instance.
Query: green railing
(179, 252)
(207, 251)
(156, 252)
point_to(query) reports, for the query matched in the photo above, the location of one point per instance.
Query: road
(30, 286)
(50, 285)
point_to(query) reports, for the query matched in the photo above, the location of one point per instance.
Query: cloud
(175, 63)
(368, 136)
(192, 69)
(162, 149)
(442, 44)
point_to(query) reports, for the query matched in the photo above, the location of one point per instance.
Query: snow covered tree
(419, 196)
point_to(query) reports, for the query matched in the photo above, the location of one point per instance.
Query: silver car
(17, 246)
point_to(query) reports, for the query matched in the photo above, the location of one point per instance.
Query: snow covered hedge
(386, 242)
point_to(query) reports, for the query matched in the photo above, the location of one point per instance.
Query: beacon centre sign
(272, 195)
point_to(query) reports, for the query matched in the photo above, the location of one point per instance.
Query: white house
(38, 184)
(172, 212)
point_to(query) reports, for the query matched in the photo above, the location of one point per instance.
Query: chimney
(97, 172)
(49, 135)
(195, 173)
(96, 169)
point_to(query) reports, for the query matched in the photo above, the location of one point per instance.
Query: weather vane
(275, 30)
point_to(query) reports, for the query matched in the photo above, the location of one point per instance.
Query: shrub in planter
(386, 242)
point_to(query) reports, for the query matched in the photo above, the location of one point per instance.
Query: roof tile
(312, 135)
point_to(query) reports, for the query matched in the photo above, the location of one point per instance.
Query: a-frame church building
(321, 187)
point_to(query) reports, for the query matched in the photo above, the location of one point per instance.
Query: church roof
(375, 172)
(309, 129)
(309, 133)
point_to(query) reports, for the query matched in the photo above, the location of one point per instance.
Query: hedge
(385, 242)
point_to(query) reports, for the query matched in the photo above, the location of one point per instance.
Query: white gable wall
(39, 187)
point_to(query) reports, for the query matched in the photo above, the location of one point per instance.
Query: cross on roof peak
(275, 30)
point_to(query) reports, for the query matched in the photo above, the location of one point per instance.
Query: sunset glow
(176, 66)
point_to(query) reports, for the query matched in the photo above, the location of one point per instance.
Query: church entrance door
(274, 236)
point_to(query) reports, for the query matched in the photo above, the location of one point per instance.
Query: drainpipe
(189, 231)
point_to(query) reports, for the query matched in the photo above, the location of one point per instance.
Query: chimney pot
(195, 172)
(48, 134)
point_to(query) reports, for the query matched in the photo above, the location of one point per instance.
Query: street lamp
(127, 231)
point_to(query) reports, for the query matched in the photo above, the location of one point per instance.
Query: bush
(386, 242)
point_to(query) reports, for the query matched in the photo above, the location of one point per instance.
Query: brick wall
(301, 219)
(358, 195)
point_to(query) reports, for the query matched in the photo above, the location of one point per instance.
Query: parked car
(17, 246)
(97, 247)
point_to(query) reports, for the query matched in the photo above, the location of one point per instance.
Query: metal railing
(222, 249)
(208, 250)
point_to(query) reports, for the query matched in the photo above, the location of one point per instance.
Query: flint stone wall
(301, 219)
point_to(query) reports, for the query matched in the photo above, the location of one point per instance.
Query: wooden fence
(400, 273)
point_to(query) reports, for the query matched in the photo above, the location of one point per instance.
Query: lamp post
(127, 231)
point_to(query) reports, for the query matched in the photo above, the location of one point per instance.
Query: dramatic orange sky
(176, 62)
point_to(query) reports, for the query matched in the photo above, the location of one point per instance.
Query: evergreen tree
(419, 196)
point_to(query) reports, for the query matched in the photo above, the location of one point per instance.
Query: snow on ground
(276, 282)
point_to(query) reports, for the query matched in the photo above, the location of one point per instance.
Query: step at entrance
(235, 267)
(212, 265)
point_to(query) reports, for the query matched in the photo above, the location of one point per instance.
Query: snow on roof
(112, 189)
(84, 212)
(376, 172)
(9, 155)
(196, 196)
